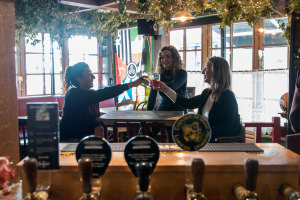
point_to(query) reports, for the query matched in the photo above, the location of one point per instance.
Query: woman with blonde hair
(216, 103)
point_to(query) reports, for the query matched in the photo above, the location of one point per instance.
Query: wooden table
(277, 165)
(166, 118)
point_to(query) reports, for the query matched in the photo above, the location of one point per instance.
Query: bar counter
(277, 165)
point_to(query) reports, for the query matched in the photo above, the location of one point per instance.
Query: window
(189, 44)
(84, 49)
(274, 60)
(40, 66)
(43, 67)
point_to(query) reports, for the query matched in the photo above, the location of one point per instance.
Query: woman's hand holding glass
(141, 80)
(155, 81)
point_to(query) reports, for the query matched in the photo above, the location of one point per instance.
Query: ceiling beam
(100, 5)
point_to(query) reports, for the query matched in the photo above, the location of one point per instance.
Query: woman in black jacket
(81, 108)
(216, 103)
(170, 68)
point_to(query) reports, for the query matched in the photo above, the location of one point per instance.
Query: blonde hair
(221, 76)
(177, 62)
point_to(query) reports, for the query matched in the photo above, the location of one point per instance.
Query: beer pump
(144, 170)
(288, 191)
(248, 193)
(197, 179)
(30, 166)
(86, 171)
(93, 155)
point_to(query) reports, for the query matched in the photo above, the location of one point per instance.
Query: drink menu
(43, 134)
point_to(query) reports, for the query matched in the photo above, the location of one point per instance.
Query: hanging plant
(40, 16)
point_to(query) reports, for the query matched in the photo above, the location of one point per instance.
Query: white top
(208, 104)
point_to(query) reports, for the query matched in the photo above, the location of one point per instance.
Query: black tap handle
(86, 170)
(30, 166)
(197, 174)
(144, 170)
(251, 172)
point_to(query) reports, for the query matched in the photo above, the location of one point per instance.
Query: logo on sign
(131, 70)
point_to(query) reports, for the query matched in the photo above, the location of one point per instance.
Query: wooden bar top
(277, 165)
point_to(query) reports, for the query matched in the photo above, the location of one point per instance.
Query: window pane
(245, 109)
(58, 84)
(57, 63)
(216, 36)
(217, 52)
(242, 59)
(34, 84)
(37, 48)
(34, 63)
(48, 83)
(272, 32)
(242, 84)
(275, 57)
(193, 60)
(195, 79)
(193, 38)
(181, 55)
(92, 61)
(82, 45)
(176, 39)
(275, 84)
(242, 34)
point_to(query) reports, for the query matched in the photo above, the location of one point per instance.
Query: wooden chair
(256, 137)
(126, 102)
(233, 139)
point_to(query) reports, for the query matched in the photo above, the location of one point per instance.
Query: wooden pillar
(9, 140)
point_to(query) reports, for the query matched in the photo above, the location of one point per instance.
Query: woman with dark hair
(81, 108)
(216, 103)
(170, 68)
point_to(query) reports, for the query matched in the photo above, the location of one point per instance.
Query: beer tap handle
(30, 166)
(86, 170)
(197, 174)
(144, 170)
(251, 172)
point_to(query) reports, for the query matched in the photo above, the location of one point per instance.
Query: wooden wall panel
(9, 140)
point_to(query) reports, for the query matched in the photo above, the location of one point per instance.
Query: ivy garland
(40, 16)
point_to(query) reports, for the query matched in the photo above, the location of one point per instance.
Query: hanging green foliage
(40, 16)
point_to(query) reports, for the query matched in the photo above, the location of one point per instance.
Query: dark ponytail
(72, 73)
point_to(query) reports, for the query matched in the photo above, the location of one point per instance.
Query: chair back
(142, 105)
(292, 142)
(126, 102)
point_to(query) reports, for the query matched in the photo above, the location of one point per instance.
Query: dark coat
(223, 117)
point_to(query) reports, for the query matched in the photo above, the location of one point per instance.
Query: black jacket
(223, 117)
(81, 108)
(177, 83)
